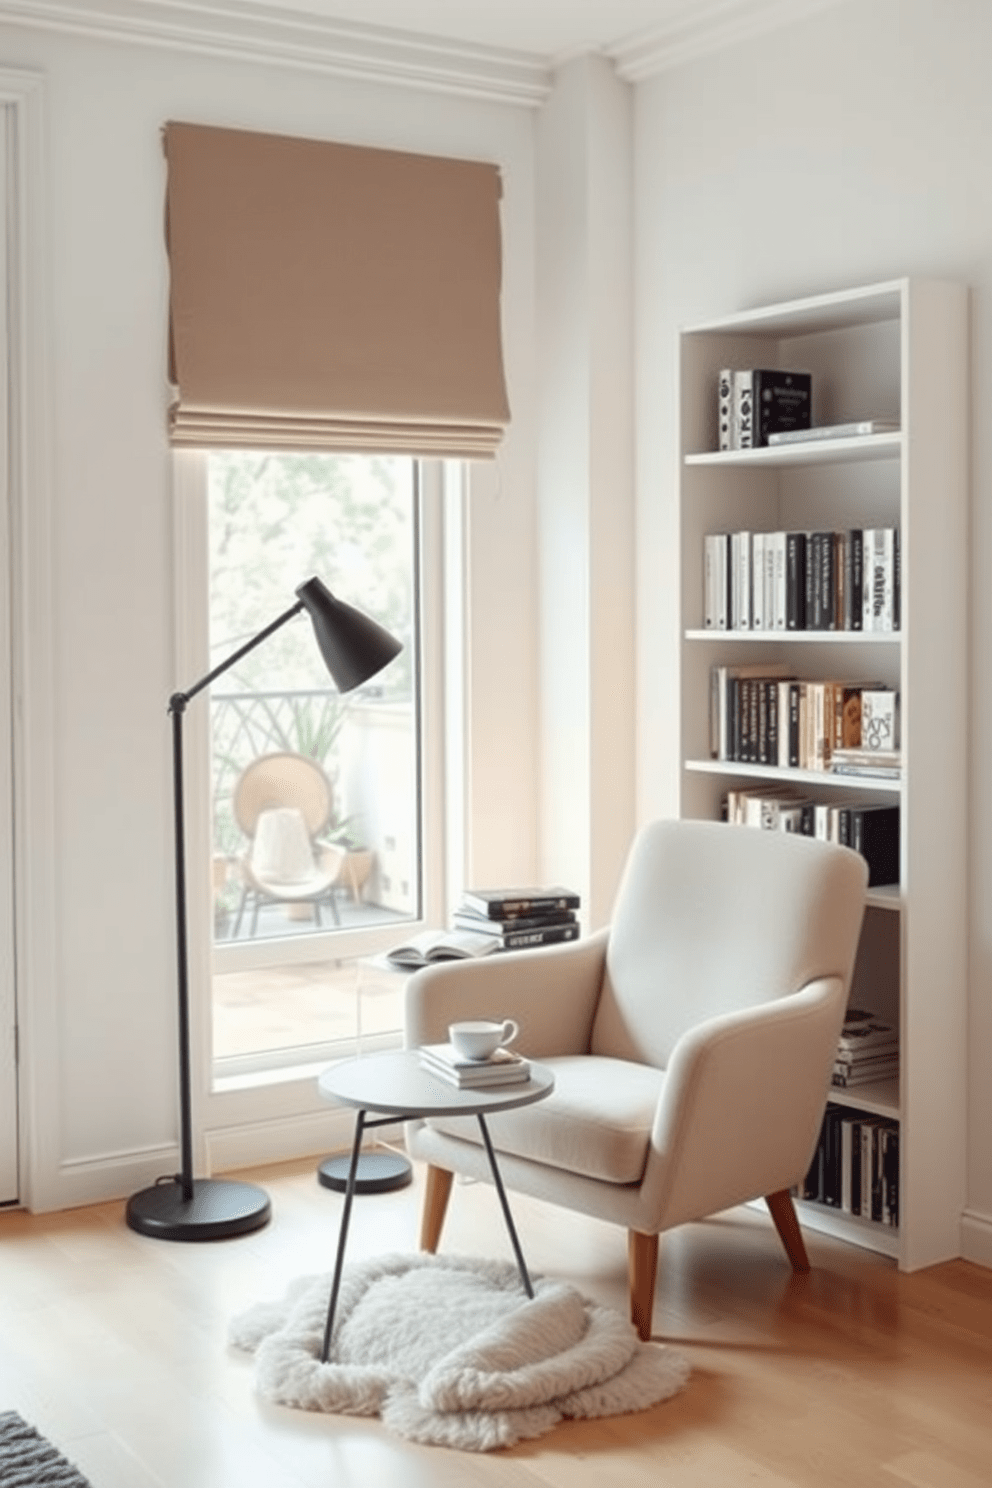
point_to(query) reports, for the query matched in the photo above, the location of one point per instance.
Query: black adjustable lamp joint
(177, 702)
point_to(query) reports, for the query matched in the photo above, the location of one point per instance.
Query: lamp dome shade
(354, 647)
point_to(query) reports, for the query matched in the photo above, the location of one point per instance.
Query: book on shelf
(736, 710)
(505, 1067)
(853, 429)
(870, 764)
(796, 580)
(879, 720)
(881, 597)
(865, 1071)
(765, 401)
(863, 1029)
(855, 1166)
(726, 439)
(497, 904)
(847, 1060)
(759, 714)
(875, 835)
(431, 946)
(716, 581)
(871, 830)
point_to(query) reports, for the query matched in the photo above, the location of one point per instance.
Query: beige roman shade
(331, 296)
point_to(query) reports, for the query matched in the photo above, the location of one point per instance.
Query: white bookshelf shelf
(879, 1098)
(817, 452)
(798, 637)
(896, 350)
(825, 778)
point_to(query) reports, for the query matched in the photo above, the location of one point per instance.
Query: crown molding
(702, 28)
(250, 32)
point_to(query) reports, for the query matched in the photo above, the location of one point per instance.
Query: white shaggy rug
(448, 1350)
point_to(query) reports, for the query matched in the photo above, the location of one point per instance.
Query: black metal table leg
(506, 1208)
(342, 1236)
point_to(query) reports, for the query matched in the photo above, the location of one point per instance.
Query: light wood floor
(114, 1346)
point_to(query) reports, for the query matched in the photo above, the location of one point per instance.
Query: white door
(8, 1048)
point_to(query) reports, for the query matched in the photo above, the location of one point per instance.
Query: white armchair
(691, 1042)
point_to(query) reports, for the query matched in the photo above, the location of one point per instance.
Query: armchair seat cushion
(596, 1122)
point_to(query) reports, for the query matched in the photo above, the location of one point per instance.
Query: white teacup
(478, 1038)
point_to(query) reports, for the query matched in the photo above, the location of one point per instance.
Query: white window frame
(439, 584)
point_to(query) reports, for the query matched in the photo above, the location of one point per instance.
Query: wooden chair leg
(783, 1212)
(642, 1265)
(436, 1197)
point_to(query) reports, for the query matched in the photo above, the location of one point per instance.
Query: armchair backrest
(710, 919)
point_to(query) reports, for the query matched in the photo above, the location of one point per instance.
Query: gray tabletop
(398, 1085)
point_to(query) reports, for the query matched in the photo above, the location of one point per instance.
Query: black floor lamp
(182, 1207)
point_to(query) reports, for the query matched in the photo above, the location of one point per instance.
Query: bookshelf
(896, 350)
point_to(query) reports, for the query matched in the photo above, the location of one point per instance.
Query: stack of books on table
(868, 1049)
(514, 919)
(502, 1068)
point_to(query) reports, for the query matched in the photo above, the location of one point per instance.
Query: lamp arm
(178, 700)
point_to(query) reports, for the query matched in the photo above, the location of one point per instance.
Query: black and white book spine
(840, 580)
(795, 581)
(723, 582)
(516, 940)
(781, 400)
(779, 610)
(744, 408)
(710, 545)
(854, 598)
(758, 576)
(810, 580)
(725, 409)
(880, 609)
(880, 719)
(824, 591)
(743, 570)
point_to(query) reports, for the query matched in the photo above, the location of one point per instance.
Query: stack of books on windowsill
(515, 919)
(502, 1068)
(868, 1049)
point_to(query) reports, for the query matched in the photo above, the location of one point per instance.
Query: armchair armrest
(742, 1103)
(552, 993)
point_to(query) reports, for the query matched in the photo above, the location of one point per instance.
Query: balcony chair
(691, 1042)
(282, 803)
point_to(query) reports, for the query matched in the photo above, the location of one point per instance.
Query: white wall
(585, 481)
(845, 149)
(98, 1010)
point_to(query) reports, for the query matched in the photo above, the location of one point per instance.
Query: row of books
(871, 830)
(502, 1068)
(490, 920)
(867, 1050)
(796, 580)
(760, 715)
(754, 403)
(856, 1166)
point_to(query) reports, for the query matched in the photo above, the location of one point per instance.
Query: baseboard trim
(253, 1144)
(110, 1177)
(976, 1237)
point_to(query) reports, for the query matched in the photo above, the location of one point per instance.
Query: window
(293, 975)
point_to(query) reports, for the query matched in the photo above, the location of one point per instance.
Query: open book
(441, 945)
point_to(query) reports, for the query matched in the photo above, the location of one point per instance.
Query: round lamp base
(378, 1172)
(218, 1210)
